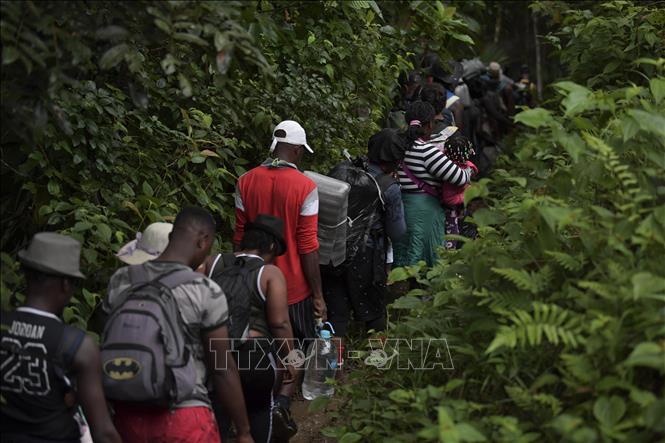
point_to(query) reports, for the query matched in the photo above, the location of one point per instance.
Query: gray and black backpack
(237, 276)
(366, 201)
(144, 357)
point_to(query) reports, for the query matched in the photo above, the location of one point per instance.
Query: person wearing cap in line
(360, 285)
(39, 402)
(256, 354)
(503, 85)
(447, 74)
(147, 245)
(278, 188)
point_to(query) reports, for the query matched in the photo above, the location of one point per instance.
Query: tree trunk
(539, 80)
(497, 24)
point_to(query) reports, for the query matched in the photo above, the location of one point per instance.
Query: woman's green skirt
(425, 230)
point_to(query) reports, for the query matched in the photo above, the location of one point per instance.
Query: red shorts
(146, 424)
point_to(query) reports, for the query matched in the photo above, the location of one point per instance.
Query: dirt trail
(310, 423)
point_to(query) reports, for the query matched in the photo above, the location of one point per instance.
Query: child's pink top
(454, 195)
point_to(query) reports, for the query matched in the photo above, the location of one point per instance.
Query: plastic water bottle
(321, 365)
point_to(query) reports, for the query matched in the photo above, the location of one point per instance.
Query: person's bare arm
(310, 267)
(273, 285)
(226, 380)
(88, 369)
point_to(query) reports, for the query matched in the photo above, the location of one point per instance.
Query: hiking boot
(283, 426)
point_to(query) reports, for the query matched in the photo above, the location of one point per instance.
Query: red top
(279, 189)
(454, 195)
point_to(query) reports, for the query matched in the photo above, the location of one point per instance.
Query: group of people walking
(173, 314)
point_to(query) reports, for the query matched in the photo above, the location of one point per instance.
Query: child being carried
(458, 149)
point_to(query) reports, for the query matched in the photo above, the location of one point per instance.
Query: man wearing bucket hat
(278, 188)
(40, 354)
(147, 245)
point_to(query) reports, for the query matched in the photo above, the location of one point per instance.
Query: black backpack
(366, 201)
(236, 277)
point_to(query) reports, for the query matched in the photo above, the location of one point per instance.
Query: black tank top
(36, 353)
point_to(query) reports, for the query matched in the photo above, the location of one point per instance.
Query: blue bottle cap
(325, 334)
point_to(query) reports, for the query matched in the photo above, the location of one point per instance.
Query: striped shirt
(426, 161)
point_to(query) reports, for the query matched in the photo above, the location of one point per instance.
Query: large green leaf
(113, 56)
(609, 411)
(658, 88)
(648, 354)
(535, 118)
(9, 55)
(648, 285)
(649, 121)
(448, 432)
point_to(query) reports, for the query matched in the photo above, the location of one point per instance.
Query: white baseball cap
(295, 135)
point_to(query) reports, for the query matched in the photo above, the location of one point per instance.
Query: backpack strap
(228, 259)
(378, 188)
(177, 278)
(382, 182)
(214, 265)
(138, 274)
(385, 181)
(70, 343)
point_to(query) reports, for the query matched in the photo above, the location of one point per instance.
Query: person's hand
(291, 375)
(320, 310)
(244, 438)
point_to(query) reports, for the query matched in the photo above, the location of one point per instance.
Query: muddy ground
(311, 423)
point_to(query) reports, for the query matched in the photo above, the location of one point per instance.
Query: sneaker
(283, 426)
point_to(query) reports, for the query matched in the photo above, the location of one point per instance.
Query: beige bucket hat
(53, 253)
(148, 245)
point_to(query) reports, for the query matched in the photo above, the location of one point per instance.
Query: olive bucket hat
(53, 253)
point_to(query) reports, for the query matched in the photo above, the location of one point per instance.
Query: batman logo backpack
(144, 357)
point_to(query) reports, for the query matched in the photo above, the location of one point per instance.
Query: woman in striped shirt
(424, 170)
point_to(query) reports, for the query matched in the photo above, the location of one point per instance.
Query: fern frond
(579, 367)
(507, 301)
(533, 282)
(567, 261)
(551, 322)
(529, 401)
(598, 288)
(629, 184)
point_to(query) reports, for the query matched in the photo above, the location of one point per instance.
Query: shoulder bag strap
(418, 182)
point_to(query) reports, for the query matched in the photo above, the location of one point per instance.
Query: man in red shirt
(278, 188)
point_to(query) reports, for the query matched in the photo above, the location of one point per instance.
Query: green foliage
(116, 115)
(554, 314)
(599, 45)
